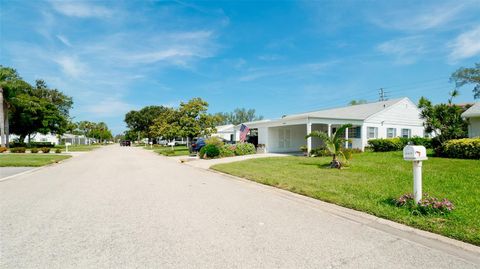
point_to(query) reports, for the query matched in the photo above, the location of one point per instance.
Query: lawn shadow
(319, 165)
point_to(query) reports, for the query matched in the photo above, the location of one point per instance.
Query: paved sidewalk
(206, 164)
(125, 207)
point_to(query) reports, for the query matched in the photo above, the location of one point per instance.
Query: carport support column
(346, 138)
(329, 130)
(309, 139)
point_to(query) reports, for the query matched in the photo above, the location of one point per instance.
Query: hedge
(466, 148)
(397, 143)
(245, 149)
(209, 151)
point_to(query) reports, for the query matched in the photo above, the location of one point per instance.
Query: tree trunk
(2, 120)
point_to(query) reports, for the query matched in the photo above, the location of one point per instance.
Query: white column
(309, 139)
(329, 132)
(417, 180)
(346, 138)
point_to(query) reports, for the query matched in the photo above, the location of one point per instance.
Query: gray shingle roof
(473, 111)
(356, 112)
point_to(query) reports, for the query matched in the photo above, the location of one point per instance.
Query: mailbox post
(66, 146)
(416, 154)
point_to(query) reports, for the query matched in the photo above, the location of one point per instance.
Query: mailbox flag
(243, 132)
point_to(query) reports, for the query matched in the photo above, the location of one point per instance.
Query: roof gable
(473, 111)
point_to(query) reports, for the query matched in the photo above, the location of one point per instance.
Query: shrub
(45, 150)
(466, 148)
(227, 150)
(41, 145)
(209, 151)
(58, 151)
(214, 141)
(3, 149)
(245, 149)
(18, 150)
(320, 152)
(397, 143)
(33, 150)
(427, 205)
(18, 145)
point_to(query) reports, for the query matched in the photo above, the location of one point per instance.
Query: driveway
(123, 207)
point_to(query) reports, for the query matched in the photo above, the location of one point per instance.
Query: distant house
(473, 116)
(386, 119)
(226, 132)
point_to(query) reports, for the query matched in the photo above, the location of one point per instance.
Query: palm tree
(333, 143)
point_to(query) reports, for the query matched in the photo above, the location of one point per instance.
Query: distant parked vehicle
(197, 144)
(125, 143)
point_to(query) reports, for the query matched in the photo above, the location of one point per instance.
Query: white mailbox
(414, 153)
(68, 144)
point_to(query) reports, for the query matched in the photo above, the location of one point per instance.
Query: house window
(372, 132)
(407, 133)
(391, 132)
(354, 132)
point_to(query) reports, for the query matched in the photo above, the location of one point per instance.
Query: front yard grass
(27, 159)
(372, 181)
(167, 150)
(77, 148)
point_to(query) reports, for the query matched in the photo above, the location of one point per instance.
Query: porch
(288, 138)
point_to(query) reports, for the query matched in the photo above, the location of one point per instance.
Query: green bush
(41, 145)
(397, 143)
(209, 151)
(214, 141)
(18, 150)
(45, 150)
(3, 149)
(58, 151)
(466, 148)
(245, 149)
(227, 150)
(320, 152)
(33, 150)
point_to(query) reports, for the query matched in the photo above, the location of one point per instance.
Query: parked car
(125, 143)
(197, 144)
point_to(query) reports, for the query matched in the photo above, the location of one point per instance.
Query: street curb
(35, 169)
(428, 239)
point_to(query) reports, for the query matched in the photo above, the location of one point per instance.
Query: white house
(386, 119)
(38, 137)
(226, 132)
(473, 116)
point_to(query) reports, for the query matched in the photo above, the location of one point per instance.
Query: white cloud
(64, 40)
(404, 50)
(421, 18)
(109, 107)
(81, 9)
(70, 66)
(466, 45)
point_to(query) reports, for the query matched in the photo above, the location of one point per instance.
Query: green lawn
(76, 148)
(167, 151)
(372, 181)
(28, 159)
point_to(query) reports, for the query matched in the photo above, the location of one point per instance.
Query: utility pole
(382, 95)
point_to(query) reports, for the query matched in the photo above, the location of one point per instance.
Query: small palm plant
(333, 143)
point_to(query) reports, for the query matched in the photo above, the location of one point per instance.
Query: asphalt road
(126, 207)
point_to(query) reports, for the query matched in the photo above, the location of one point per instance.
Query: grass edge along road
(167, 150)
(30, 160)
(372, 181)
(78, 148)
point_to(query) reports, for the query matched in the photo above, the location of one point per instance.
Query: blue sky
(279, 57)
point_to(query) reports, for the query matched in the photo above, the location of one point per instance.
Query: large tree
(464, 76)
(40, 109)
(11, 84)
(194, 120)
(166, 125)
(140, 121)
(238, 116)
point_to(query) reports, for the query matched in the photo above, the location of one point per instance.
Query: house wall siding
(474, 127)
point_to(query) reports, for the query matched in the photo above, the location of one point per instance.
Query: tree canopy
(141, 120)
(464, 76)
(238, 116)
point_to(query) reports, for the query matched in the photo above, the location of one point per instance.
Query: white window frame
(394, 133)
(409, 133)
(375, 131)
